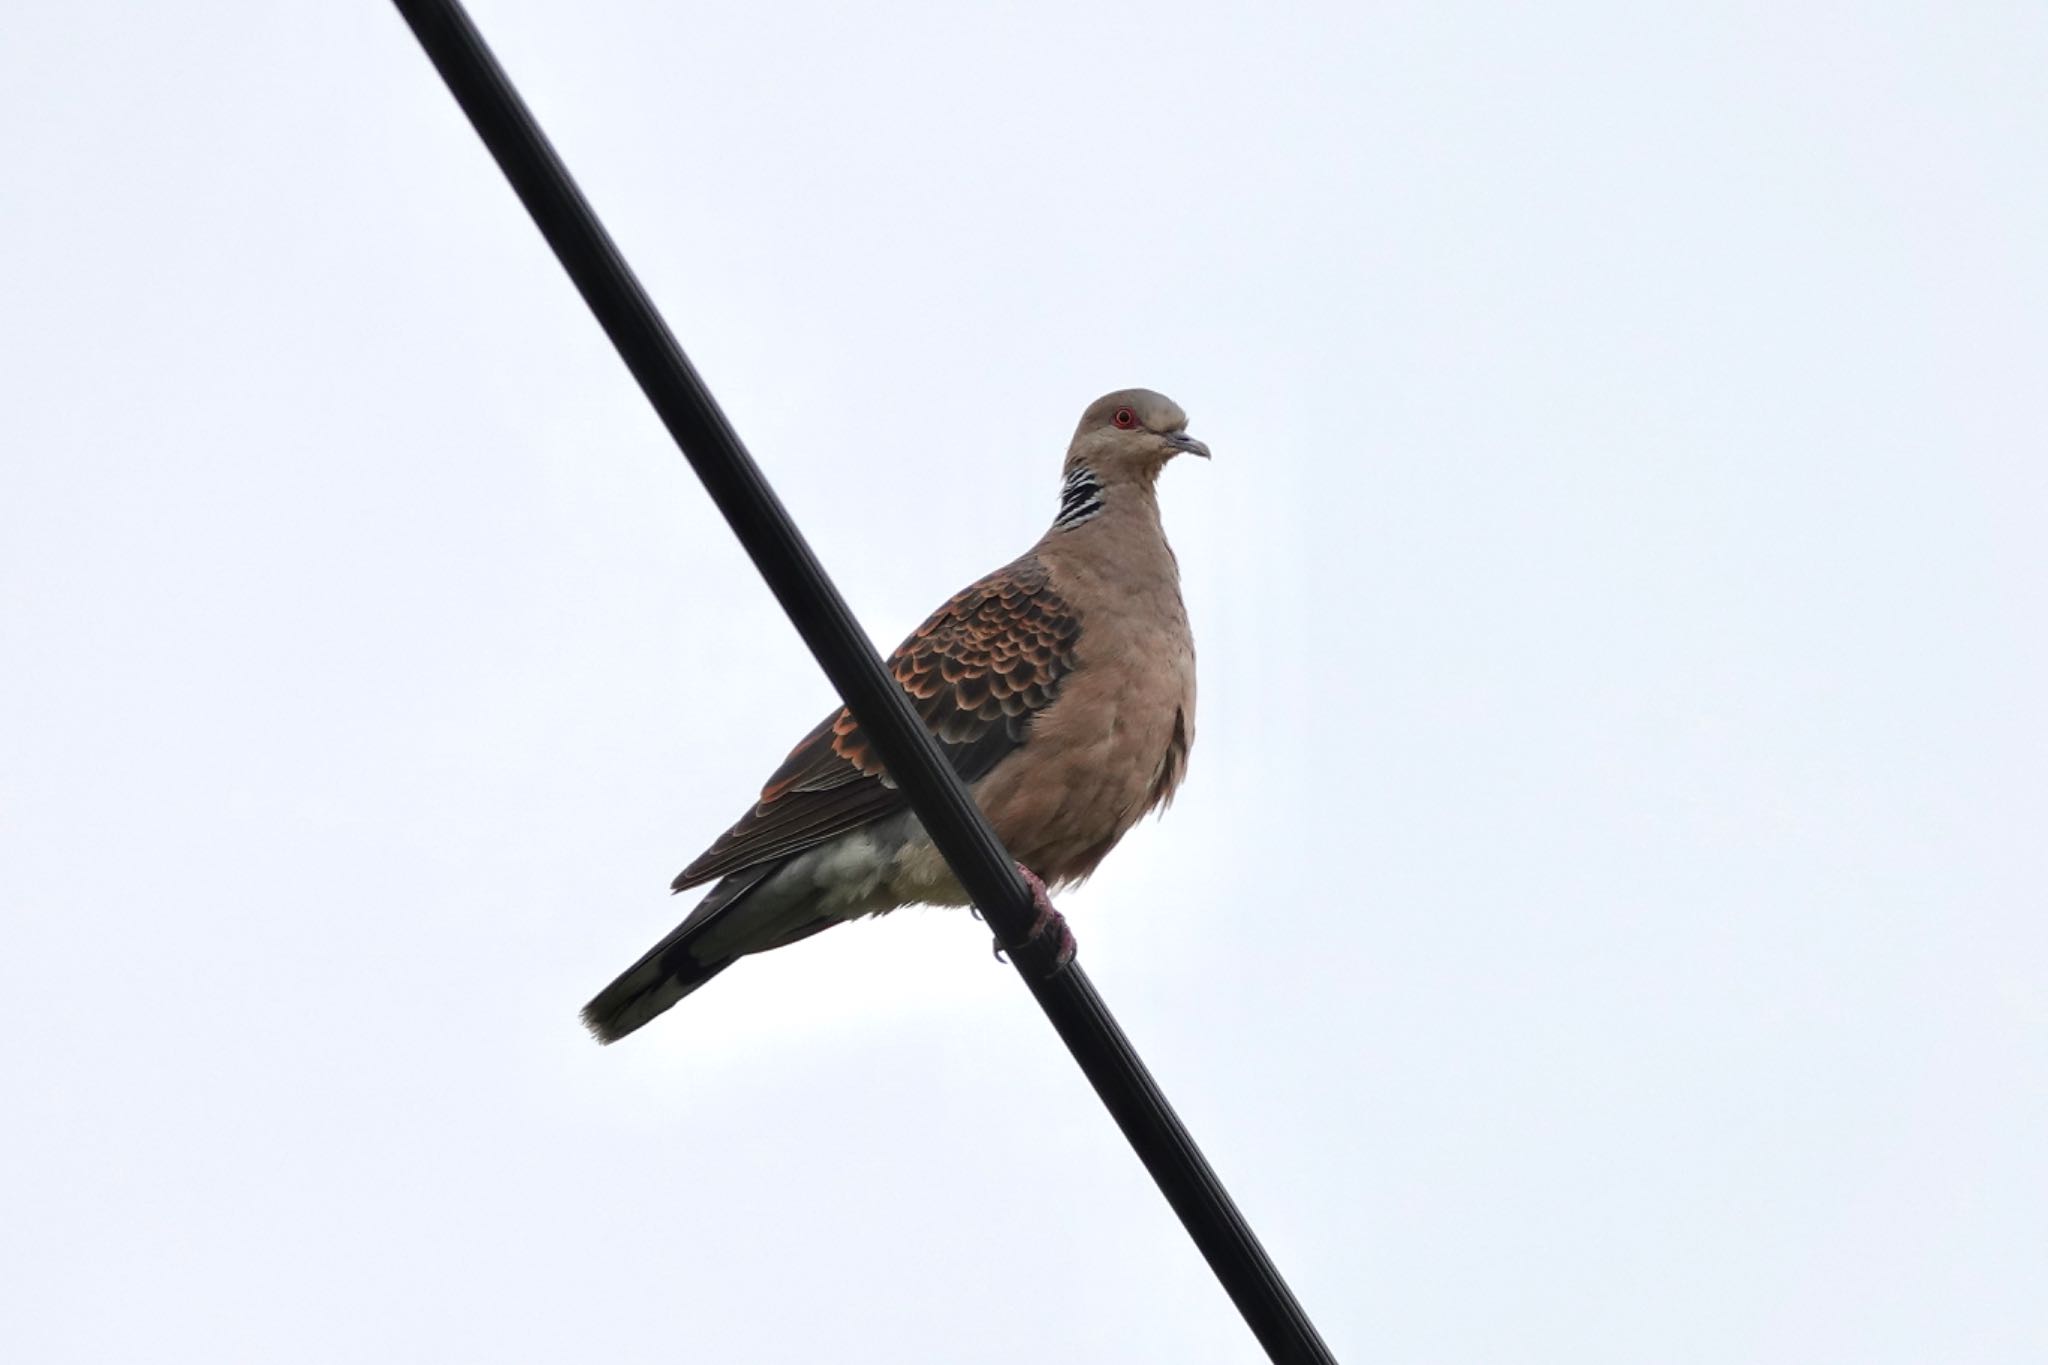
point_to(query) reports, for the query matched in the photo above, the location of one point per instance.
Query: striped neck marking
(1080, 498)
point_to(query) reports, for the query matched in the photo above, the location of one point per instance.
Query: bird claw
(1040, 898)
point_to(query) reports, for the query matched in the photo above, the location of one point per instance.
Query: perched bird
(1061, 688)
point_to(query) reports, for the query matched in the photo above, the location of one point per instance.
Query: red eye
(1125, 418)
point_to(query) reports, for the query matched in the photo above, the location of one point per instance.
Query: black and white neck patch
(1080, 498)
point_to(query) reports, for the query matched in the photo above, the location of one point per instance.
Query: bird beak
(1180, 440)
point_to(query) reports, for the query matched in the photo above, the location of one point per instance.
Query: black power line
(1039, 945)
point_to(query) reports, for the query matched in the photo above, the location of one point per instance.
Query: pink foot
(1040, 897)
(1050, 939)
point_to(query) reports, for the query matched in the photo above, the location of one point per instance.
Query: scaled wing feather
(977, 671)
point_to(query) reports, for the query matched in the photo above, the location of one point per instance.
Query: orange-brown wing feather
(977, 671)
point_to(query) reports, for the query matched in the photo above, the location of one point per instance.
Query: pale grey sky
(1604, 921)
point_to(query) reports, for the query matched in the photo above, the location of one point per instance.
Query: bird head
(1128, 436)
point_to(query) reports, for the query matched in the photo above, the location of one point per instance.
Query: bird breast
(1114, 743)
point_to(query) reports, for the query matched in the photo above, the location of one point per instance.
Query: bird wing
(977, 671)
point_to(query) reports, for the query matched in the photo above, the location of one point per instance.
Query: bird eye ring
(1125, 418)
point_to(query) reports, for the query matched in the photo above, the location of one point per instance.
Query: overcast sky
(1603, 923)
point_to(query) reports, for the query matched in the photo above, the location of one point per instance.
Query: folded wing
(977, 671)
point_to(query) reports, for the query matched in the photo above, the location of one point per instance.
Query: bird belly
(1091, 767)
(919, 875)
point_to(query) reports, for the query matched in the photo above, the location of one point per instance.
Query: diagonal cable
(1039, 944)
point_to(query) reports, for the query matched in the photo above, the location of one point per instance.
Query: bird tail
(672, 968)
